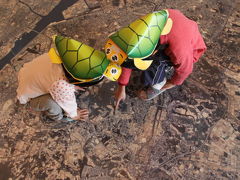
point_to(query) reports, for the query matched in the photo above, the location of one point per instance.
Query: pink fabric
(186, 46)
(63, 93)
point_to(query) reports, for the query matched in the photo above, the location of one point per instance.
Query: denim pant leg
(46, 104)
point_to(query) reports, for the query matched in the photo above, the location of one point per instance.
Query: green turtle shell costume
(140, 38)
(82, 62)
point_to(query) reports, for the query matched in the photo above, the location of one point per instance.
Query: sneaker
(67, 119)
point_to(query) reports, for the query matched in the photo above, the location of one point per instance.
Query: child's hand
(77, 88)
(120, 95)
(168, 85)
(82, 114)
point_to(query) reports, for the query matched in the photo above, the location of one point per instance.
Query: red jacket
(186, 46)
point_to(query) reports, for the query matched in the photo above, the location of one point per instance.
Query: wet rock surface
(189, 132)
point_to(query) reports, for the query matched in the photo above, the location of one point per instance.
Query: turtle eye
(108, 50)
(114, 58)
(114, 71)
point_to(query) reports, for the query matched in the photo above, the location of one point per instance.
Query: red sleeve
(125, 76)
(199, 47)
(182, 71)
(183, 63)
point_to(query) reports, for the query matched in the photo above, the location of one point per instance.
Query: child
(184, 46)
(45, 85)
(46, 82)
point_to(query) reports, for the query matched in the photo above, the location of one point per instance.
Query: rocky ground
(189, 132)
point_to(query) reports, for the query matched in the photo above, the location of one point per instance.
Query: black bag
(159, 69)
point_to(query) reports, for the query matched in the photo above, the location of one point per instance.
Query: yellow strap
(54, 57)
(142, 65)
(82, 81)
(168, 26)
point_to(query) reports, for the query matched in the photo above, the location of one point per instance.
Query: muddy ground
(189, 132)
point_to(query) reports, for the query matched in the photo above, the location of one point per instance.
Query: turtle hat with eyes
(139, 39)
(82, 62)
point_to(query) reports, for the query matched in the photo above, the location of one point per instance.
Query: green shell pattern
(80, 60)
(140, 38)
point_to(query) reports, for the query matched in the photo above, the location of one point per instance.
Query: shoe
(151, 93)
(67, 119)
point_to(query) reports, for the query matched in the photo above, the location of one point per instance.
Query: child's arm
(120, 94)
(82, 114)
(125, 76)
(63, 93)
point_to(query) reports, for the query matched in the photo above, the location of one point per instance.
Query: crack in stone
(216, 34)
(54, 16)
(30, 8)
(91, 7)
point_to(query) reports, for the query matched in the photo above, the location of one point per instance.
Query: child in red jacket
(185, 46)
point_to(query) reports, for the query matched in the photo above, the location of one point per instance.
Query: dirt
(189, 132)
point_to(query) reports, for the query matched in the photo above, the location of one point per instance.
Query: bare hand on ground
(142, 94)
(82, 114)
(120, 95)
